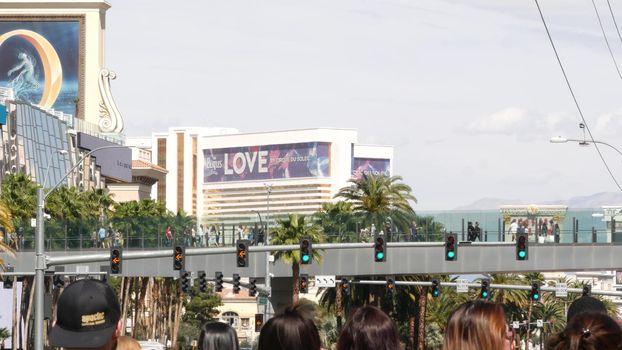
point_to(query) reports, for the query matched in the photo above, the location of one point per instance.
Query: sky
(468, 93)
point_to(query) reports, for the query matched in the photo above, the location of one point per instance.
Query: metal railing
(156, 238)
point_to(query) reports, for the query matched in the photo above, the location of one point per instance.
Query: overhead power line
(614, 21)
(574, 98)
(602, 29)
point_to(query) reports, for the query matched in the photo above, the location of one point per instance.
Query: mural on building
(39, 60)
(295, 160)
(370, 166)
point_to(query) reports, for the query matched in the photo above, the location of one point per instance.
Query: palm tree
(337, 219)
(133, 218)
(67, 205)
(428, 229)
(377, 197)
(7, 224)
(4, 335)
(100, 200)
(290, 231)
(19, 193)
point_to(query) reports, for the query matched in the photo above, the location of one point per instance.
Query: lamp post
(559, 139)
(61, 152)
(40, 258)
(267, 241)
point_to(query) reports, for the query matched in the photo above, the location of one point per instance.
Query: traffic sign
(262, 301)
(539, 323)
(462, 286)
(561, 290)
(325, 281)
(515, 325)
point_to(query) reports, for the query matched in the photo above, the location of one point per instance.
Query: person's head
(217, 335)
(476, 223)
(369, 328)
(87, 316)
(290, 330)
(127, 343)
(585, 304)
(477, 325)
(588, 331)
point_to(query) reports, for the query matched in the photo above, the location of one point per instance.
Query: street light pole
(40, 257)
(267, 242)
(559, 139)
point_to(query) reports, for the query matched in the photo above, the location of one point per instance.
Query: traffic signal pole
(40, 260)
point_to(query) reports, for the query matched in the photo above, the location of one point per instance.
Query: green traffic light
(451, 255)
(536, 296)
(485, 294)
(379, 255)
(522, 254)
(305, 258)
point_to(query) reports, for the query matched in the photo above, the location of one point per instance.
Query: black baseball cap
(87, 314)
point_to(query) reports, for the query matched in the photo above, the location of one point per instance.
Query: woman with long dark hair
(217, 336)
(369, 328)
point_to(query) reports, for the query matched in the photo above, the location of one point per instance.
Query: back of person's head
(127, 343)
(476, 325)
(290, 330)
(588, 331)
(585, 304)
(217, 336)
(368, 328)
(87, 316)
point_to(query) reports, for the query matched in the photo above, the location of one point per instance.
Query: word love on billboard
(293, 160)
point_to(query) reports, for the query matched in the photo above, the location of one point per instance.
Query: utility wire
(602, 29)
(574, 98)
(614, 20)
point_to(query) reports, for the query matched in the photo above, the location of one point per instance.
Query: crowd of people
(88, 317)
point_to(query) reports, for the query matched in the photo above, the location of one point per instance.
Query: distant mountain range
(596, 200)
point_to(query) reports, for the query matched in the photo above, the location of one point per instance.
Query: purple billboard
(113, 162)
(370, 166)
(293, 160)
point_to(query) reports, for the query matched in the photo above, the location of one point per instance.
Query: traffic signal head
(587, 290)
(390, 285)
(436, 288)
(304, 283)
(59, 281)
(236, 283)
(258, 322)
(451, 247)
(521, 247)
(484, 292)
(7, 281)
(306, 255)
(184, 281)
(115, 260)
(535, 292)
(202, 281)
(242, 253)
(380, 249)
(252, 290)
(179, 257)
(218, 285)
(345, 286)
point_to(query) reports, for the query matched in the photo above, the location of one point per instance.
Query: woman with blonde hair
(478, 325)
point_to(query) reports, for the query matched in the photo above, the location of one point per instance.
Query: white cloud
(523, 124)
(504, 122)
(608, 124)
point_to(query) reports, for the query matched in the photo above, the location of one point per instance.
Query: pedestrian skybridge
(348, 259)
